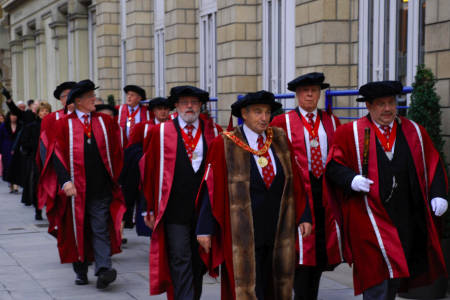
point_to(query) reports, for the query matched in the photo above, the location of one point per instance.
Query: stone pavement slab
(30, 267)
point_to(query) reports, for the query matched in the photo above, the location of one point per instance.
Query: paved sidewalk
(30, 268)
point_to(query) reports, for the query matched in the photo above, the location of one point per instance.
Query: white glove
(361, 184)
(439, 206)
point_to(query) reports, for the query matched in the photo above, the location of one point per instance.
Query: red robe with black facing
(68, 226)
(158, 177)
(369, 233)
(294, 128)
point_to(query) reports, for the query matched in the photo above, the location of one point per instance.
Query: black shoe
(105, 277)
(38, 215)
(124, 241)
(81, 279)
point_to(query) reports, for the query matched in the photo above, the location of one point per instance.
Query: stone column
(17, 69)
(437, 57)
(78, 19)
(108, 46)
(140, 44)
(326, 41)
(29, 66)
(41, 65)
(181, 43)
(60, 39)
(238, 53)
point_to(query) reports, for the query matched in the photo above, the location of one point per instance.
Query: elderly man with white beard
(177, 162)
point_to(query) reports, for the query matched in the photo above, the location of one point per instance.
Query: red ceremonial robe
(216, 181)
(69, 148)
(122, 117)
(47, 141)
(158, 177)
(293, 126)
(368, 231)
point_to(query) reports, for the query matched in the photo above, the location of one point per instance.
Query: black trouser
(383, 291)
(306, 283)
(264, 280)
(307, 278)
(97, 215)
(186, 267)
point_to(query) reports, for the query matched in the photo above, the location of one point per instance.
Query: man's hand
(439, 206)
(149, 220)
(6, 93)
(361, 184)
(205, 242)
(305, 229)
(69, 189)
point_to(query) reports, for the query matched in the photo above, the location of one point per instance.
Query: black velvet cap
(159, 102)
(379, 89)
(314, 78)
(137, 89)
(79, 89)
(100, 107)
(187, 90)
(68, 85)
(260, 97)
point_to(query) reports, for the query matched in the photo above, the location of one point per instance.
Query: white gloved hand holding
(439, 206)
(361, 184)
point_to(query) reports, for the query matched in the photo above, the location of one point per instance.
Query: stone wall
(108, 47)
(239, 31)
(140, 70)
(437, 57)
(181, 44)
(327, 41)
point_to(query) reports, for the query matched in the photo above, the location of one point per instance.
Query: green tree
(424, 108)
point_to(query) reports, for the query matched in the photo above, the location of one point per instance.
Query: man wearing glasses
(173, 173)
(87, 160)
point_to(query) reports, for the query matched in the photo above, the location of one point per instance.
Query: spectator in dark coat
(8, 134)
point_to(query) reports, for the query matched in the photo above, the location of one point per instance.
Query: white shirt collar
(379, 126)
(134, 107)
(156, 121)
(304, 112)
(252, 137)
(81, 114)
(183, 123)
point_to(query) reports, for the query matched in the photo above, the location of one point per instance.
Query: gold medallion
(262, 161)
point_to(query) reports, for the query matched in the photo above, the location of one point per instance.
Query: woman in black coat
(8, 134)
(29, 144)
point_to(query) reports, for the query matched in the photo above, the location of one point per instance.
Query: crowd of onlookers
(19, 138)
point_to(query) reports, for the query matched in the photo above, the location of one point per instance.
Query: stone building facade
(228, 47)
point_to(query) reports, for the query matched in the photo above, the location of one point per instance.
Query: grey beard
(191, 118)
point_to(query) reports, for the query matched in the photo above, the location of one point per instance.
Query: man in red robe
(47, 138)
(87, 159)
(130, 177)
(173, 173)
(129, 115)
(250, 205)
(132, 112)
(310, 131)
(385, 176)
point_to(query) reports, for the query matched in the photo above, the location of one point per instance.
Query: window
(278, 46)
(123, 45)
(391, 41)
(208, 61)
(160, 66)
(93, 74)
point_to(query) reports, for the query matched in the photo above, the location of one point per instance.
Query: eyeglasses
(187, 102)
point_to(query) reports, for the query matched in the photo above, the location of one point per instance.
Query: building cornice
(8, 5)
